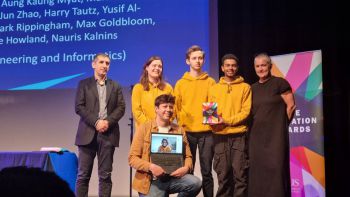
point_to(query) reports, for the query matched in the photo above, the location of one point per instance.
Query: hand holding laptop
(156, 170)
(168, 161)
(180, 172)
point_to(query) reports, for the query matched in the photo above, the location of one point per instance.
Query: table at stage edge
(64, 164)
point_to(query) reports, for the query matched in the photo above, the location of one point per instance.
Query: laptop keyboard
(168, 162)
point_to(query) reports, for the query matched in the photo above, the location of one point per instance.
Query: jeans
(188, 185)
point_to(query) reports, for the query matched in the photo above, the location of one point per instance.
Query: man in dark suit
(100, 104)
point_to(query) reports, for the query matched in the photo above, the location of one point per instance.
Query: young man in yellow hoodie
(233, 97)
(190, 92)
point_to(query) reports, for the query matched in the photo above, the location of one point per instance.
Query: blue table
(64, 164)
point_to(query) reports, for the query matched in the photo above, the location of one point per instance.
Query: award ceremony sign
(307, 163)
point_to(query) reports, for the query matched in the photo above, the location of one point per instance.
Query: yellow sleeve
(178, 104)
(211, 97)
(169, 89)
(212, 82)
(245, 110)
(136, 105)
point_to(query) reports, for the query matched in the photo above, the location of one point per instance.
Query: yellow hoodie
(142, 102)
(190, 92)
(234, 101)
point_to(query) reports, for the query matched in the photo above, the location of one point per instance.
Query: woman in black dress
(273, 107)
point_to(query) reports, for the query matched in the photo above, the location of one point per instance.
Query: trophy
(210, 113)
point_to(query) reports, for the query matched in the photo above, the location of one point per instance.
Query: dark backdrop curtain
(280, 27)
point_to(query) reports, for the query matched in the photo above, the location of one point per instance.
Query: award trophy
(210, 113)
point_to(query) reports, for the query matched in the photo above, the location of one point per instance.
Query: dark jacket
(87, 107)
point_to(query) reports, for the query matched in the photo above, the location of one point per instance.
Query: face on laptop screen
(166, 143)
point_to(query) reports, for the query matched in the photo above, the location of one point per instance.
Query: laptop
(167, 151)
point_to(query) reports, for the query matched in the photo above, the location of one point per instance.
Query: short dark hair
(100, 54)
(164, 98)
(229, 56)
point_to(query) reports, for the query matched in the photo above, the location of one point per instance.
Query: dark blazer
(87, 107)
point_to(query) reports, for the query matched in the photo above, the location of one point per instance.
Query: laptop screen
(166, 143)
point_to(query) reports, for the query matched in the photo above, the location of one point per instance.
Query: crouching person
(152, 180)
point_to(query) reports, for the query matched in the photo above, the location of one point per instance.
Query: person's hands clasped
(102, 126)
(180, 172)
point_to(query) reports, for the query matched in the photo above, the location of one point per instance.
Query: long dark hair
(144, 76)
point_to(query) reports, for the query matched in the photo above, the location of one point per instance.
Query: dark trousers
(204, 141)
(231, 164)
(105, 151)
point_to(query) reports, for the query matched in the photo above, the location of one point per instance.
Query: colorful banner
(307, 164)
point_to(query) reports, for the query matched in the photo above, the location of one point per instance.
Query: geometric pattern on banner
(297, 183)
(311, 162)
(314, 83)
(302, 68)
(303, 71)
(307, 168)
(299, 69)
(311, 186)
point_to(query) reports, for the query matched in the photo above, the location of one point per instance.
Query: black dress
(269, 141)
